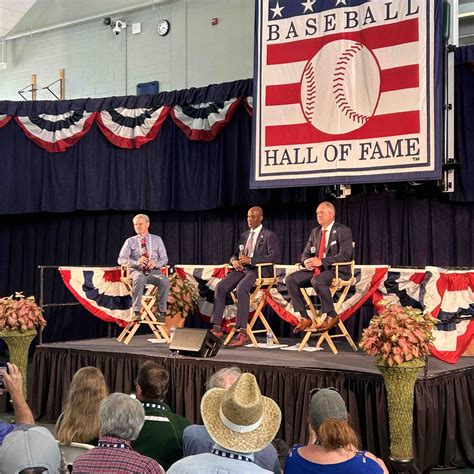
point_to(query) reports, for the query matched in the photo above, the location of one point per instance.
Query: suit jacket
(338, 247)
(266, 250)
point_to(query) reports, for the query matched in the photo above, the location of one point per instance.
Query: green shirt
(161, 437)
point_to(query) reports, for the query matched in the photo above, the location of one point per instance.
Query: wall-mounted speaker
(195, 342)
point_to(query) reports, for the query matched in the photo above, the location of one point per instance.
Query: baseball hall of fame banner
(346, 91)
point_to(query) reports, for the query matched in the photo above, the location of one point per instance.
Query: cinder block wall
(99, 64)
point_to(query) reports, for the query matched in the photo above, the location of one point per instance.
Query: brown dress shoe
(241, 340)
(328, 324)
(218, 333)
(305, 323)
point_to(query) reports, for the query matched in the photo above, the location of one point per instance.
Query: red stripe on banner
(205, 135)
(5, 121)
(377, 278)
(417, 278)
(396, 78)
(180, 272)
(283, 94)
(401, 123)
(403, 77)
(60, 145)
(376, 37)
(137, 142)
(220, 272)
(462, 343)
(66, 276)
(282, 312)
(112, 275)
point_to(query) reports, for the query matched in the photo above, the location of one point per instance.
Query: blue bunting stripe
(204, 121)
(56, 133)
(132, 128)
(4, 119)
(100, 291)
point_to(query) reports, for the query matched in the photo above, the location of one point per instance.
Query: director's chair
(338, 285)
(258, 300)
(147, 317)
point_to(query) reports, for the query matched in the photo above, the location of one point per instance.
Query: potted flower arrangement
(19, 319)
(401, 337)
(182, 300)
(18, 313)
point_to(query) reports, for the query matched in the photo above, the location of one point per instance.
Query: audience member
(196, 439)
(122, 418)
(161, 437)
(240, 421)
(13, 383)
(334, 445)
(79, 421)
(29, 449)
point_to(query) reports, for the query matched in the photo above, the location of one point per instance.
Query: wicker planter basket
(18, 345)
(400, 385)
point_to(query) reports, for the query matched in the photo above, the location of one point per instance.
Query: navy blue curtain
(464, 122)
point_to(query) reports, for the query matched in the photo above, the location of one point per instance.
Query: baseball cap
(28, 447)
(327, 403)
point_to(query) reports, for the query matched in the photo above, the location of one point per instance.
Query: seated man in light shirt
(145, 253)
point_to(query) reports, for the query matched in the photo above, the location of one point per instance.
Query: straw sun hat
(240, 419)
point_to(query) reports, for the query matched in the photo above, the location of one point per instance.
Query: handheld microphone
(313, 251)
(241, 250)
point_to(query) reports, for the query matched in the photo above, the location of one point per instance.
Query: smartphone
(3, 366)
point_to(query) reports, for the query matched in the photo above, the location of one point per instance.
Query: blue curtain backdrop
(464, 123)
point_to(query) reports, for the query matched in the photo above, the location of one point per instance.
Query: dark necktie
(144, 253)
(322, 247)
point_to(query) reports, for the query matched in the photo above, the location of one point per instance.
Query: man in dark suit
(258, 245)
(328, 243)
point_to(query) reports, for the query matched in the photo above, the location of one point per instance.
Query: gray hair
(121, 416)
(328, 205)
(221, 378)
(141, 216)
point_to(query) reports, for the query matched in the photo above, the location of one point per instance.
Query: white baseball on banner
(340, 87)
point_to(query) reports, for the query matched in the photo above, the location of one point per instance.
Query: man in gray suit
(328, 243)
(257, 245)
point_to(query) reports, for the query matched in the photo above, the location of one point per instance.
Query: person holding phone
(13, 384)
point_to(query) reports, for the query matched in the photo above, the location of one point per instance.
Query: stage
(444, 393)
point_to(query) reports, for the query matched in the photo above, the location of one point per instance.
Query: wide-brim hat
(240, 419)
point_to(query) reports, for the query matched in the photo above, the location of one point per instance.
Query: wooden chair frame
(262, 286)
(147, 316)
(337, 284)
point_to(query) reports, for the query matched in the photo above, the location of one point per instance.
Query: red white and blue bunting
(132, 128)
(100, 291)
(204, 121)
(447, 295)
(56, 133)
(128, 127)
(4, 119)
